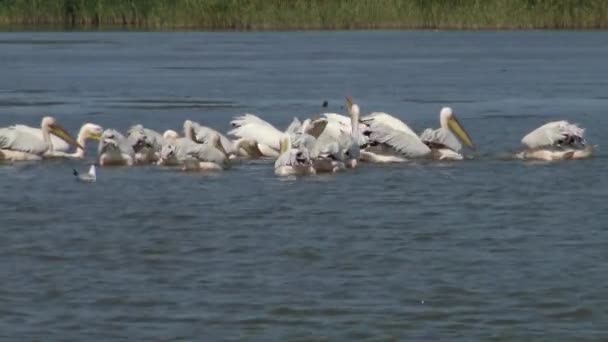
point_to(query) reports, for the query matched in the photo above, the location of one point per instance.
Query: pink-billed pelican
(20, 144)
(556, 140)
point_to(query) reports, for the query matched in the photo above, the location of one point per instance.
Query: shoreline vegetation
(304, 14)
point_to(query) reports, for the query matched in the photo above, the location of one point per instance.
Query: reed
(306, 14)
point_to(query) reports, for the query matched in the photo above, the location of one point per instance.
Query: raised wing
(555, 133)
(403, 143)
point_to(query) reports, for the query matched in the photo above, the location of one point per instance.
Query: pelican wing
(294, 127)
(441, 137)
(13, 138)
(187, 149)
(58, 143)
(404, 143)
(203, 134)
(389, 121)
(554, 134)
(249, 119)
(253, 128)
(316, 127)
(339, 118)
(153, 137)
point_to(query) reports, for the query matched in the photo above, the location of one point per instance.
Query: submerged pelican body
(20, 143)
(556, 140)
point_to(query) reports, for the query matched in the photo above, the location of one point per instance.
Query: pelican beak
(95, 136)
(61, 133)
(460, 132)
(349, 102)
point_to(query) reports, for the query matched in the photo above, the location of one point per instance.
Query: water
(482, 249)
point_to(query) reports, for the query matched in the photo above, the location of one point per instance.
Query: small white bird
(90, 177)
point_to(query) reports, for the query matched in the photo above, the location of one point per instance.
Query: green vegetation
(306, 14)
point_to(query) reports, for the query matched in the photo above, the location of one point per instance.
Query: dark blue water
(482, 249)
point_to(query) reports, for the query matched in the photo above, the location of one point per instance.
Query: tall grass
(307, 14)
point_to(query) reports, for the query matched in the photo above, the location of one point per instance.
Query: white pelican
(146, 144)
(17, 143)
(391, 140)
(202, 134)
(444, 140)
(193, 156)
(292, 161)
(556, 140)
(115, 149)
(338, 145)
(252, 129)
(88, 131)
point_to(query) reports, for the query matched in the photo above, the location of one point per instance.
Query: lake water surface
(476, 250)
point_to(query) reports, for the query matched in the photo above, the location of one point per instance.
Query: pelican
(19, 144)
(556, 140)
(250, 129)
(338, 145)
(392, 140)
(146, 144)
(292, 161)
(193, 156)
(201, 134)
(115, 149)
(88, 131)
(444, 141)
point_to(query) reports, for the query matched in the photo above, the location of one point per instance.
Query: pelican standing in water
(392, 140)
(556, 140)
(19, 144)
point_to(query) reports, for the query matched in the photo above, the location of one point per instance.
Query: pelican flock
(324, 143)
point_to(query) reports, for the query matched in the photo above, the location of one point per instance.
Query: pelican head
(170, 135)
(49, 125)
(91, 131)
(448, 120)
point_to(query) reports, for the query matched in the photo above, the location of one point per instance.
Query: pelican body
(192, 156)
(391, 140)
(23, 143)
(556, 140)
(293, 161)
(115, 149)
